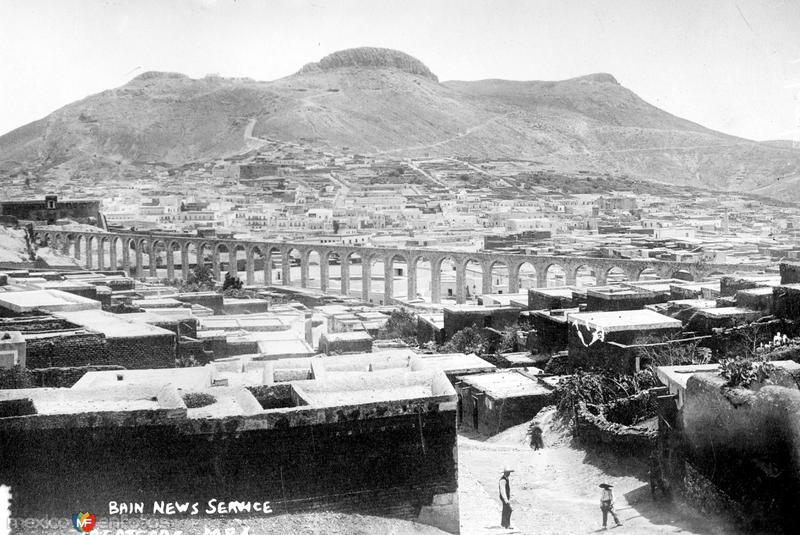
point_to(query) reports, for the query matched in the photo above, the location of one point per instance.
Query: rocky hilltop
(380, 58)
(385, 102)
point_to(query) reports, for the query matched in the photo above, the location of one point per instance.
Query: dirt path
(555, 490)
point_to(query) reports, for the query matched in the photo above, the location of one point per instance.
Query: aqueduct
(128, 251)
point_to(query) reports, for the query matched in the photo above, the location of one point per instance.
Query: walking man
(607, 504)
(657, 476)
(504, 488)
(536, 437)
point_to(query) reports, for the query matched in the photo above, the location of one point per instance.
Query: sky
(731, 65)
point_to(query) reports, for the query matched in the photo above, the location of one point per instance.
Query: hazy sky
(727, 64)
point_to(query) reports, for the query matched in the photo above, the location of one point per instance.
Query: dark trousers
(608, 507)
(505, 517)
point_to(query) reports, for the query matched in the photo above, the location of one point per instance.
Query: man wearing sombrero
(505, 497)
(607, 504)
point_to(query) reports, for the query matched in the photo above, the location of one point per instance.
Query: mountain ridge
(385, 102)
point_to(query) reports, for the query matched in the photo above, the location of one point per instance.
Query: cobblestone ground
(555, 490)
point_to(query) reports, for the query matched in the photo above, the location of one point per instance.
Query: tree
(335, 226)
(201, 277)
(467, 340)
(231, 283)
(401, 324)
(671, 351)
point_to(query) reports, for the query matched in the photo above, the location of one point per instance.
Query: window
(51, 204)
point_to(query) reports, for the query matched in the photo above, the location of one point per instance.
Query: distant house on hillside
(50, 209)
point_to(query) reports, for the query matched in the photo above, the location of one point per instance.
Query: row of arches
(373, 275)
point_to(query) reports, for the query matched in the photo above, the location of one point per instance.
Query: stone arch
(292, 266)
(103, 251)
(170, 259)
(476, 279)
(78, 245)
(312, 263)
(354, 273)
(157, 256)
(59, 243)
(420, 278)
(646, 273)
(114, 252)
(555, 275)
(235, 264)
(683, 273)
(587, 275)
(272, 258)
(522, 276)
(219, 249)
(446, 267)
(500, 278)
(616, 274)
(334, 266)
(395, 270)
(256, 264)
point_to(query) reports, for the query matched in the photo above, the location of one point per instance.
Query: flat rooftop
(192, 378)
(564, 291)
(625, 320)
(728, 312)
(476, 308)
(45, 300)
(693, 303)
(617, 292)
(112, 325)
(506, 384)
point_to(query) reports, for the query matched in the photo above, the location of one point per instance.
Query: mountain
(379, 101)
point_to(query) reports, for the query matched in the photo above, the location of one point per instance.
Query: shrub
(401, 324)
(232, 283)
(743, 371)
(467, 340)
(195, 400)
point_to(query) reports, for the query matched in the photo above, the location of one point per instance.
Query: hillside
(379, 101)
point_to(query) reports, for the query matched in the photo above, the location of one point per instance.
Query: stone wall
(73, 349)
(594, 425)
(497, 318)
(47, 377)
(605, 355)
(729, 285)
(748, 444)
(790, 272)
(428, 331)
(786, 302)
(400, 465)
(496, 415)
(704, 495)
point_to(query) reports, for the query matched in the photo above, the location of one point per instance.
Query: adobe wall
(402, 465)
(342, 346)
(603, 355)
(594, 425)
(540, 301)
(729, 285)
(551, 335)
(429, 332)
(748, 444)
(786, 301)
(456, 320)
(47, 377)
(86, 348)
(790, 272)
(635, 302)
(496, 415)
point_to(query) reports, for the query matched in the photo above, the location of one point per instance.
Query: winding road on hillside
(459, 135)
